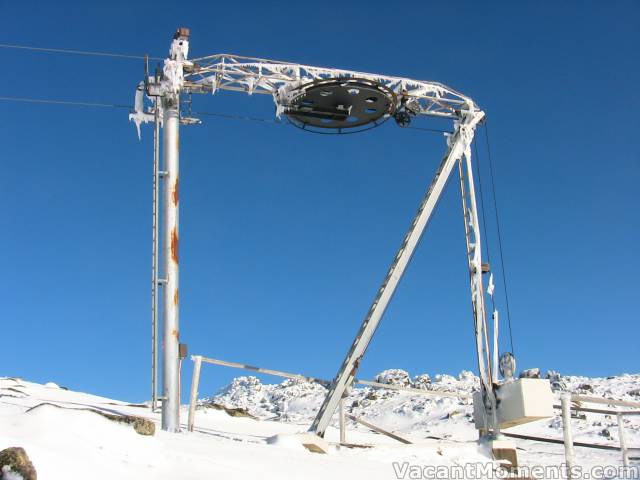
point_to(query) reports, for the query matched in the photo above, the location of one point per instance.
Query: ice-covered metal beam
(256, 75)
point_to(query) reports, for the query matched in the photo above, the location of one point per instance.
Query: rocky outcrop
(232, 411)
(16, 460)
(394, 376)
(530, 373)
(141, 425)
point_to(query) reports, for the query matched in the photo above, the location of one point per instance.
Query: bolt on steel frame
(283, 81)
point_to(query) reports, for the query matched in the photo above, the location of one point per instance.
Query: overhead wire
(497, 217)
(64, 102)
(431, 130)
(78, 52)
(239, 117)
(124, 106)
(130, 107)
(139, 57)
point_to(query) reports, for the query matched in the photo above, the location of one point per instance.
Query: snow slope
(72, 443)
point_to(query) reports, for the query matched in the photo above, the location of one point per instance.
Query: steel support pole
(154, 259)
(474, 260)
(459, 144)
(171, 147)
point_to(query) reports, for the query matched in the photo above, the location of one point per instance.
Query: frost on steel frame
(335, 101)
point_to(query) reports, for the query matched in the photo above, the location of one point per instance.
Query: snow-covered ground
(73, 443)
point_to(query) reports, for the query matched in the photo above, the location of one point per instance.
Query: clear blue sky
(287, 235)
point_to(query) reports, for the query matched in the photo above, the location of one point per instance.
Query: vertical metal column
(474, 259)
(171, 147)
(154, 259)
(486, 370)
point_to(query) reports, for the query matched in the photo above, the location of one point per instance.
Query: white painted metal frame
(258, 75)
(487, 373)
(280, 80)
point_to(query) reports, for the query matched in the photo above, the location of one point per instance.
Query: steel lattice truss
(256, 75)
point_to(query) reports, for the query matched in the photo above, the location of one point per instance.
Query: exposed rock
(466, 375)
(15, 459)
(144, 426)
(394, 376)
(530, 373)
(453, 414)
(11, 389)
(444, 378)
(422, 381)
(141, 425)
(234, 412)
(556, 381)
(585, 387)
(552, 375)
(606, 434)
(372, 395)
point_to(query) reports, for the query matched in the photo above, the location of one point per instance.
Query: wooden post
(566, 430)
(195, 382)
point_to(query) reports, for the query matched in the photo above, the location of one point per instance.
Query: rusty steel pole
(171, 373)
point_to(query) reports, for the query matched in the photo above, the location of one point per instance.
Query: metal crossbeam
(262, 76)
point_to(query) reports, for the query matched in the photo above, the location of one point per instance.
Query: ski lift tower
(325, 100)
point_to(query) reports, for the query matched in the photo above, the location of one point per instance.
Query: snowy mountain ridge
(296, 401)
